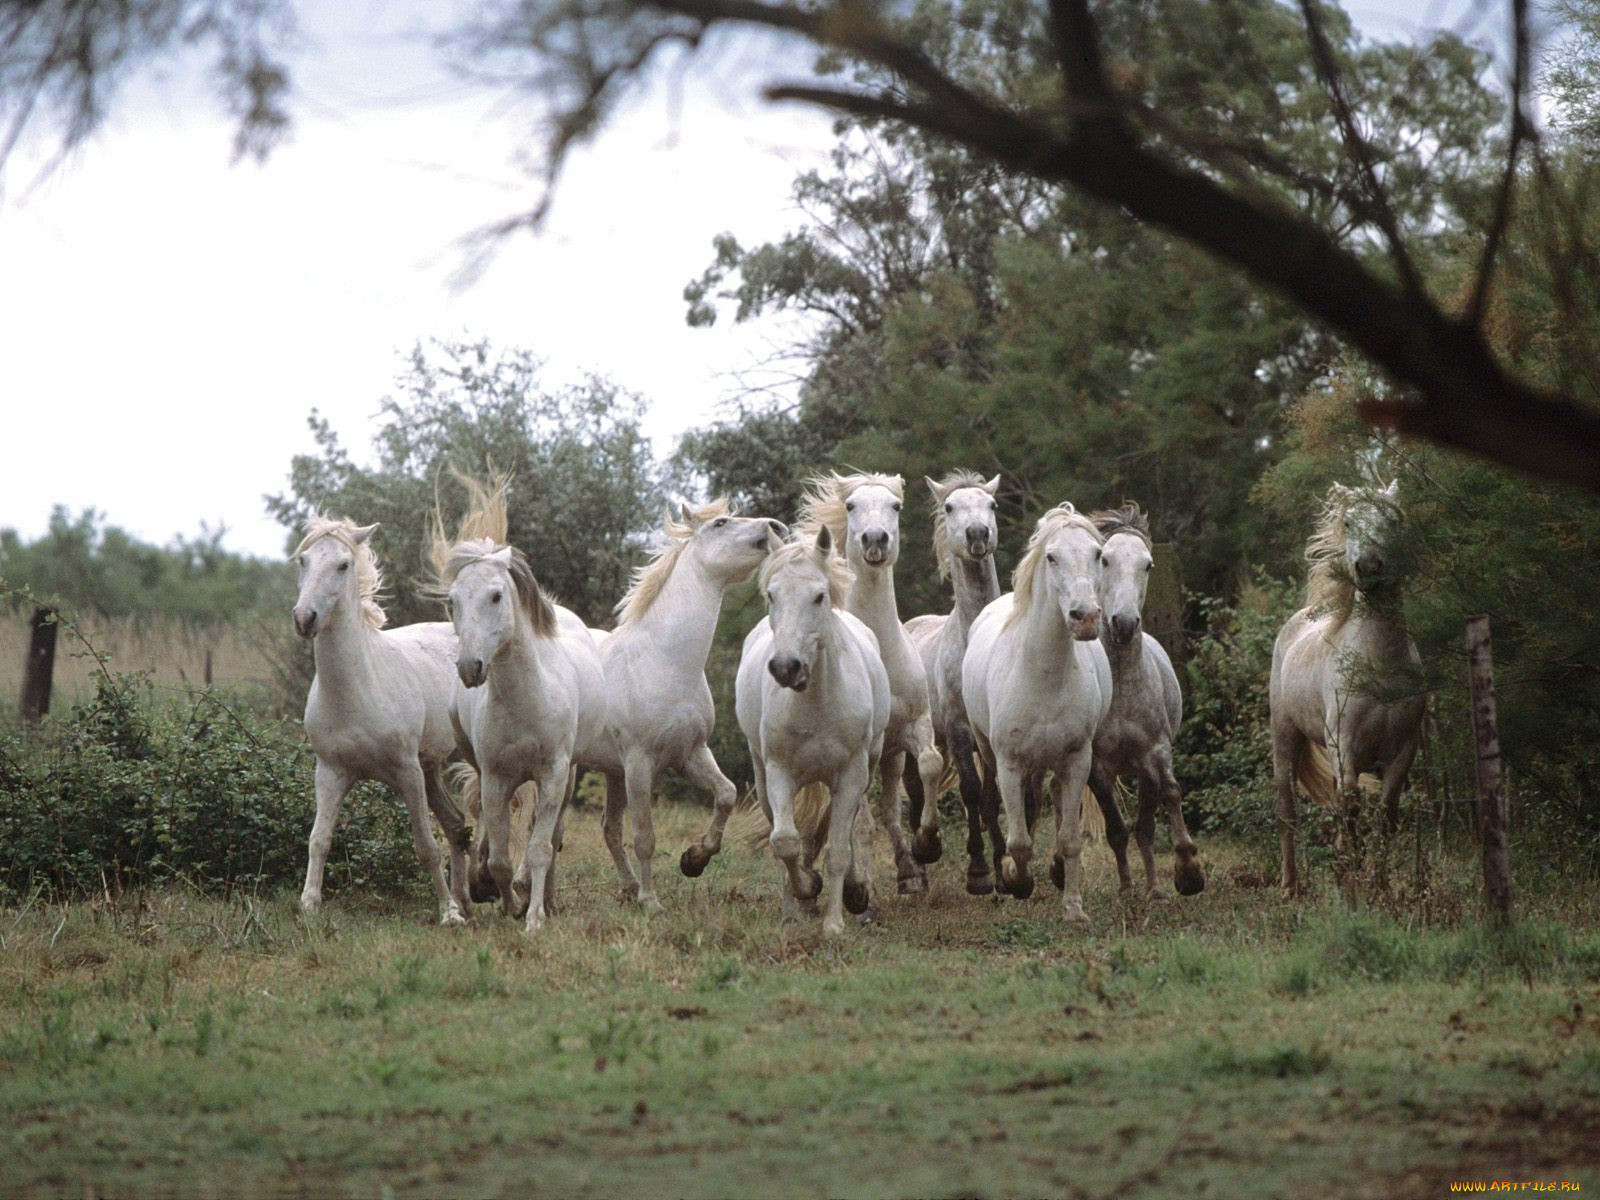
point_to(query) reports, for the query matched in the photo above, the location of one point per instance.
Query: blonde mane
(840, 575)
(369, 579)
(954, 481)
(464, 553)
(487, 517)
(649, 579)
(1329, 588)
(826, 495)
(1062, 516)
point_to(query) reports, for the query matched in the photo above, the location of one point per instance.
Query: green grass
(1224, 1045)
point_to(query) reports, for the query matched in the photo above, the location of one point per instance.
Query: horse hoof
(694, 861)
(1189, 879)
(926, 846)
(811, 885)
(1022, 888)
(911, 885)
(452, 918)
(482, 889)
(856, 897)
(873, 916)
(1058, 873)
(833, 927)
(980, 885)
(1075, 915)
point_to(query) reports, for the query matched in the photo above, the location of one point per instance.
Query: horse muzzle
(1084, 623)
(789, 671)
(875, 547)
(979, 543)
(472, 671)
(1124, 629)
(305, 622)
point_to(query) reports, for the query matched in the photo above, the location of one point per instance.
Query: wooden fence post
(1163, 602)
(40, 666)
(1491, 795)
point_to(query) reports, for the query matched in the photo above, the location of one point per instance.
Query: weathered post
(1163, 602)
(1491, 795)
(39, 668)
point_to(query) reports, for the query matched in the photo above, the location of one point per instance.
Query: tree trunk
(1491, 795)
(39, 668)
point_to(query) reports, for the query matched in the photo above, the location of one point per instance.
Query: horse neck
(976, 585)
(872, 598)
(1122, 658)
(682, 619)
(517, 677)
(343, 651)
(1378, 632)
(1046, 639)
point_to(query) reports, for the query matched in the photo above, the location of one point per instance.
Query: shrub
(126, 790)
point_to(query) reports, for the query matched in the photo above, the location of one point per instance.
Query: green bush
(125, 791)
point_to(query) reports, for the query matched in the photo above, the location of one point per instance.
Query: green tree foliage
(98, 568)
(958, 314)
(585, 488)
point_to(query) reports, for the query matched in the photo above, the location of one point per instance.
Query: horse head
(803, 583)
(337, 571)
(872, 516)
(1371, 534)
(965, 513)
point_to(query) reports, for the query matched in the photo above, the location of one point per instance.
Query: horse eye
(719, 522)
(850, 506)
(897, 506)
(818, 598)
(302, 560)
(1097, 556)
(344, 566)
(1149, 565)
(993, 506)
(494, 598)
(949, 508)
(1051, 559)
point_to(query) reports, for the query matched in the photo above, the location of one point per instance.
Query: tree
(1194, 173)
(585, 487)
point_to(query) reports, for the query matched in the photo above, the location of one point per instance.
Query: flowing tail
(1091, 821)
(749, 827)
(1315, 773)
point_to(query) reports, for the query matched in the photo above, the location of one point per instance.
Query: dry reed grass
(173, 652)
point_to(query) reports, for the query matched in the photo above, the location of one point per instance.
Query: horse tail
(465, 778)
(1314, 770)
(812, 806)
(747, 825)
(1091, 821)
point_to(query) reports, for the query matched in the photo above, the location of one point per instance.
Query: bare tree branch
(1520, 129)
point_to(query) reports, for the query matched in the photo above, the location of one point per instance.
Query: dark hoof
(810, 885)
(1058, 873)
(926, 846)
(481, 888)
(873, 916)
(519, 901)
(694, 860)
(856, 898)
(980, 885)
(1189, 879)
(911, 885)
(1022, 888)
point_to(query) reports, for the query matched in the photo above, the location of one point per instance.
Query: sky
(168, 320)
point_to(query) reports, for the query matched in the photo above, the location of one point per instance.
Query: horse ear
(688, 517)
(824, 541)
(993, 486)
(1339, 494)
(362, 533)
(502, 556)
(935, 487)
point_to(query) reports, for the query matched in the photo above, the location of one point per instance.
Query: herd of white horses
(1054, 684)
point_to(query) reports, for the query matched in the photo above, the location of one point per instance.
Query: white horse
(964, 538)
(812, 698)
(659, 712)
(1346, 677)
(1146, 709)
(862, 514)
(532, 702)
(379, 706)
(1037, 687)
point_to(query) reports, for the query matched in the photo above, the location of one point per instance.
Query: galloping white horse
(1146, 708)
(532, 702)
(813, 701)
(862, 514)
(659, 712)
(1037, 686)
(1346, 676)
(964, 537)
(379, 707)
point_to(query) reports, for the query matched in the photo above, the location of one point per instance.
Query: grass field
(1226, 1045)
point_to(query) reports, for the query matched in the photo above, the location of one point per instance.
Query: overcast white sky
(167, 321)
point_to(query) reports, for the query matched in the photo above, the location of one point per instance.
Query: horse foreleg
(1103, 783)
(860, 893)
(333, 785)
(1187, 876)
(1287, 746)
(845, 802)
(1014, 878)
(456, 833)
(702, 771)
(611, 823)
(1068, 786)
(979, 880)
(1144, 835)
(908, 879)
(990, 806)
(415, 794)
(924, 769)
(538, 862)
(800, 882)
(496, 821)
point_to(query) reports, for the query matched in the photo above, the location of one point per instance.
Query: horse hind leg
(702, 771)
(1187, 876)
(333, 785)
(456, 833)
(1287, 747)
(415, 794)
(616, 805)
(1144, 835)
(980, 881)
(1103, 785)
